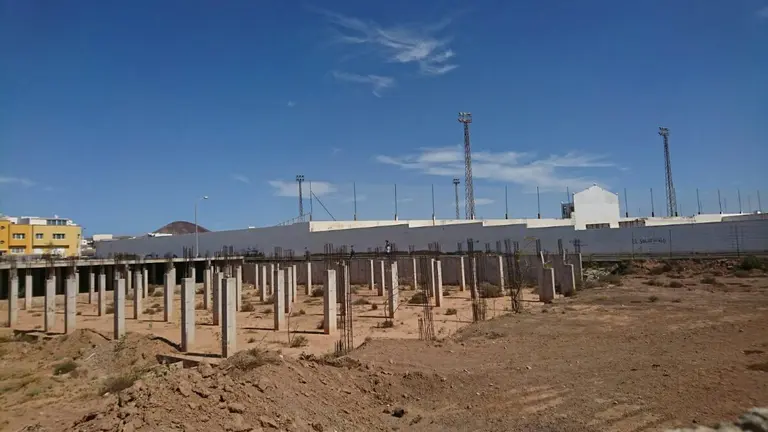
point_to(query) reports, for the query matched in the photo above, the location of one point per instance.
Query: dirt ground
(634, 354)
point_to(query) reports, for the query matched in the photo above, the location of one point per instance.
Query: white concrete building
(595, 207)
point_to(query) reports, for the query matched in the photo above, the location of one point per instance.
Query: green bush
(751, 262)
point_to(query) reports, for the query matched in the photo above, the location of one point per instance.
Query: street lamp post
(197, 243)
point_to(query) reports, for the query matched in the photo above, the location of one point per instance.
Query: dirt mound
(180, 227)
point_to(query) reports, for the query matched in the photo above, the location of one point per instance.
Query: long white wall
(716, 237)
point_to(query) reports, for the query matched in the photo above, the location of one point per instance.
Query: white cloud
(763, 12)
(291, 189)
(241, 178)
(335, 150)
(378, 83)
(483, 201)
(17, 181)
(521, 168)
(399, 44)
(291, 104)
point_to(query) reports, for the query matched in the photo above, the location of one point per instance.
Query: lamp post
(197, 243)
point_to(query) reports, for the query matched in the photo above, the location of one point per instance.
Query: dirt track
(629, 358)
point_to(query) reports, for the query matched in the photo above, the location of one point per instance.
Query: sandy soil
(639, 356)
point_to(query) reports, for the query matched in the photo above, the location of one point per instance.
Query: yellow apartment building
(39, 236)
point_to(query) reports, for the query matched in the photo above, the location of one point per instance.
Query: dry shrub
(654, 282)
(490, 291)
(653, 299)
(451, 311)
(752, 262)
(110, 309)
(299, 341)
(200, 306)
(269, 300)
(318, 292)
(675, 284)
(157, 293)
(709, 280)
(253, 358)
(251, 339)
(613, 279)
(149, 311)
(267, 311)
(361, 301)
(665, 268)
(386, 324)
(741, 273)
(320, 325)
(118, 383)
(418, 298)
(64, 367)
(374, 306)
(248, 307)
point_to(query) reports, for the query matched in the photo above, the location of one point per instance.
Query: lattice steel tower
(671, 200)
(300, 180)
(469, 192)
(456, 190)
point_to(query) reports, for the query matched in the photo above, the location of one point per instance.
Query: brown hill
(181, 227)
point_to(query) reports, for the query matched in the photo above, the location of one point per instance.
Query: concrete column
(432, 282)
(169, 285)
(272, 281)
(50, 303)
(547, 285)
(193, 274)
(138, 292)
(415, 275)
(102, 298)
(77, 280)
(13, 297)
(218, 282)
(329, 302)
(239, 288)
(110, 273)
(119, 307)
(28, 289)
(463, 276)
(288, 289)
(91, 285)
(382, 280)
(145, 281)
(372, 275)
(207, 280)
(308, 289)
(438, 283)
(263, 291)
(393, 292)
(567, 279)
(256, 274)
(70, 304)
(187, 314)
(501, 274)
(128, 280)
(228, 317)
(278, 294)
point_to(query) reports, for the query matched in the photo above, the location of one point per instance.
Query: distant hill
(180, 227)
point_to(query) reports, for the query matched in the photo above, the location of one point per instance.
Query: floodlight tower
(469, 191)
(671, 200)
(300, 180)
(456, 190)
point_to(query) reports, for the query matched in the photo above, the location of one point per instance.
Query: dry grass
(317, 292)
(118, 383)
(451, 311)
(248, 307)
(299, 341)
(418, 298)
(709, 280)
(64, 367)
(361, 301)
(675, 284)
(253, 358)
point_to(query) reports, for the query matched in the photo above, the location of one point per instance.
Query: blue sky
(121, 114)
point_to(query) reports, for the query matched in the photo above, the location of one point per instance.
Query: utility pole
(456, 190)
(395, 201)
(719, 201)
(354, 198)
(653, 210)
(311, 209)
(759, 204)
(738, 191)
(506, 203)
(300, 180)
(433, 204)
(469, 192)
(538, 204)
(698, 199)
(671, 199)
(626, 206)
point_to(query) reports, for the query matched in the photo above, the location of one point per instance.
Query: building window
(58, 236)
(56, 221)
(38, 236)
(598, 226)
(17, 250)
(19, 236)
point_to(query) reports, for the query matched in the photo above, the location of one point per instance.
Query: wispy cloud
(415, 43)
(16, 181)
(548, 173)
(290, 104)
(291, 189)
(763, 12)
(483, 201)
(335, 150)
(378, 83)
(241, 178)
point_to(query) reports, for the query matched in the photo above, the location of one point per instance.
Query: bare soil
(635, 355)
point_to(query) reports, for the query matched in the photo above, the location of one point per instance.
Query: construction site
(584, 323)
